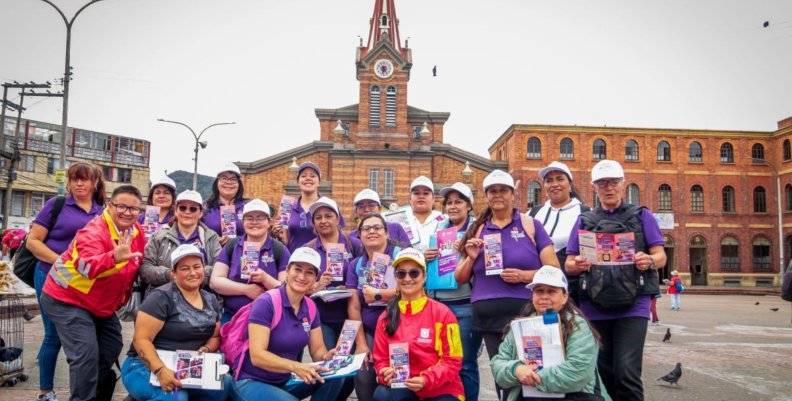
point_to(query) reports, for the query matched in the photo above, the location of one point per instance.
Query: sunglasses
(401, 274)
(192, 209)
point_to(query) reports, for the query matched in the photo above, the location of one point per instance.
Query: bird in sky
(434, 71)
(667, 337)
(673, 376)
(765, 24)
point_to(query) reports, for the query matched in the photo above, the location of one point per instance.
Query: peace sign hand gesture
(123, 251)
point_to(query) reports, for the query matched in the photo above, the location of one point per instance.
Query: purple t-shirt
(301, 229)
(194, 239)
(369, 314)
(395, 232)
(287, 340)
(267, 263)
(518, 253)
(69, 221)
(653, 237)
(336, 312)
(211, 218)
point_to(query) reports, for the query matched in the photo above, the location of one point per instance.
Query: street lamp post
(198, 144)
(780, 220)
(66, 78)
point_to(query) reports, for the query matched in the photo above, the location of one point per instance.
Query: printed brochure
(606, 248)
(493, 254)
(539, 344)
(194, 369)
(151, 222)
(347, 338)
(335, 261)
(439, 273)
(250, 259)
(339, 366)
(378, 273)
(402, 216)
(400, 362)
(286, 206)
(228, 221)
(332, 294)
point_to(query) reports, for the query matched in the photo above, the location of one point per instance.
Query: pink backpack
(234, 334)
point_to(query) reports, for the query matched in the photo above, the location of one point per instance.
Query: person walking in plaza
(673, 290)
(85, 287)
(48, 238)
(368, 301)
(185, 228)
(178, 316)
(560, 213)
(274, 351)
(240, 287)
(162, 194)
(227, 190)
(431, 333)
(577, 376)
(620, 317)
(366, 202)
(518, 246)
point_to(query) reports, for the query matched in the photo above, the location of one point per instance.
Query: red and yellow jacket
(86, 274)
(432, 332)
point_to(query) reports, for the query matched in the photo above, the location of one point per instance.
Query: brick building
(715, 190)
(381, 142)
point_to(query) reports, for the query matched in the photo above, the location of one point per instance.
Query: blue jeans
(226, 317)
(135, 376)
(471, 342)
(676, 302)
(51, 343)
(385, 393)
(253, 390)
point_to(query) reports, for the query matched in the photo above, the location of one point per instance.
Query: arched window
(534, 148)
(633, 194)
(727, 153)
(728, 199)
(695, 153)
(664, 198)
(730, 254)
(599, 150)
(534, 193)
(567, 149)
(761, 254)
(788, 193)
(390, 107)
(631, 150)
(757, 152)
(787, 150)
(663, 151)
(760, 200)
(696, 199)
(374, 107)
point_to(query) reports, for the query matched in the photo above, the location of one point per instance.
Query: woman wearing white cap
(276, 346)
(250, 264)
(560, 213)
(227, 190)
(577, 376)
(162, 194)
(422, 207)
(366, 202)
(518, 246)
(186, 228)
(176, 316)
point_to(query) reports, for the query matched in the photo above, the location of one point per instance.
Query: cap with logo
(324, 202)
(498, 177)
(422, 181)
(555, 166)
(549, 275)
(367, 194)
(463, 190)
(306, 255)
(183, 251)
(256, 205)
(410, 254)
(189, 195)
(606, 169)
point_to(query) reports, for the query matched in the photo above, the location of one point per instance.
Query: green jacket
(576, 374)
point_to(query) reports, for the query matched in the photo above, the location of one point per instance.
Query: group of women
(189, 264)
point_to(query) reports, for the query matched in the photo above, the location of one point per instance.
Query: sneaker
(47, 397)
(656, 323)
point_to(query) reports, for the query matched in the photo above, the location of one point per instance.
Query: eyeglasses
(226, 178)
(374, 227)
(121, 208)
(401, 274)
(185, 208)
(255, 219)
(608, 183)
(364, 206)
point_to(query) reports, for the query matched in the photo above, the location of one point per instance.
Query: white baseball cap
(324, 202)
(555, 166)
(367, 194)
(463, 190)
(410, 254)
(498, 177)
(230, 167)
(166, 181)
(606, 169)
(183, 251)
(549, 275)
(422, 181)
(189, 195)
(256, 205)
(306, 255)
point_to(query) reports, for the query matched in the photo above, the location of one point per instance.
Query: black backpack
(24, 261)
(786, 286)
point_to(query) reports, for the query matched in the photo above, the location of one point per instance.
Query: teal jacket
(575, 374)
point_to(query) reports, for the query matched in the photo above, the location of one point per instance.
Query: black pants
(492, 342)
(621, 357)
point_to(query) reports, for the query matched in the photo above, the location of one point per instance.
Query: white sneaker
(47, 397)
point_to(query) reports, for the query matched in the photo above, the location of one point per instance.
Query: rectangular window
(761, 257)
(123, 175)
(664, 201)
(417, 131)
(107, 171)
(18, 203)
(52, 165)
(730, 257)
(374, 180)
(37, 201)
(27, 163)
(388, 192)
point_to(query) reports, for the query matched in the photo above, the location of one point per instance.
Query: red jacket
(432, 332)
(86, 274)
(672, 285)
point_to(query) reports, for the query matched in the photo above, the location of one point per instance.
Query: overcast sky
(705, 64)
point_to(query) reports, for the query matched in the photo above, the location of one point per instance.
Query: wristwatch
(651, 263)
(378, 295)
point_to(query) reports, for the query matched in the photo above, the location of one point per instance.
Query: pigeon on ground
(757, 303)
(674, 375)
(667, 337)
(774, 309)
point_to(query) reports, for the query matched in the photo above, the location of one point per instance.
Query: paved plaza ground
(730, 349)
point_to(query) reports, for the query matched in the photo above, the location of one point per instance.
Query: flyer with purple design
(228, 221)
(250, 259)
(447, 260)
(286, 206)
(335, 261)
(493, 254)
(151, 222)
(400, 362)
